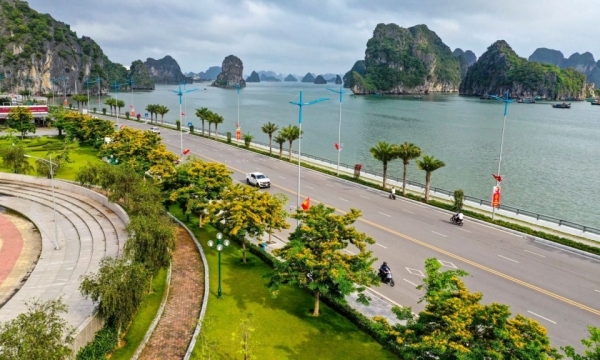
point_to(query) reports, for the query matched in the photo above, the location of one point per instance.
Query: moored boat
(562, 106)
(595, 102)
(590, 99)
(526, 101)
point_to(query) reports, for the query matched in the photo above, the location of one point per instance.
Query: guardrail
(481, 202)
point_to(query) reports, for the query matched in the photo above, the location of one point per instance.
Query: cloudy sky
(315, 35)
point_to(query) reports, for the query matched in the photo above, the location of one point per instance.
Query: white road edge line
(349, 251)
(531, 312)
(504, 257)
(384, 214)
(597, 290)
(385, 247)
(312, 188)
(364, 197)
(531, 252)
(412, 283)
(344, 200)
(438, 233)
(281, 177)
(410, 212)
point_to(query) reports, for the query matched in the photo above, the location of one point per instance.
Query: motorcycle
(455, 220)
(387, 278)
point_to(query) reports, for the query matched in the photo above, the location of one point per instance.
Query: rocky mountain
(319, 80)
(231, 74)
(166, 71)
(268, 78)
(500, 69)
(583, 63)
(272, 74)
(338, 80)
(290, 77)
(308, 78)
(401, 61)
(464, 66)
(35, 49)
(360, 68)
(210, 74)
(140, 76)
(470, 56)
(253, 77)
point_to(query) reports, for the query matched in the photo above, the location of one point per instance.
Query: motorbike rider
(459, 217)
(393, 193)
(384, 270)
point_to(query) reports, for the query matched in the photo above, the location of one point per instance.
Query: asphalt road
(558, 288)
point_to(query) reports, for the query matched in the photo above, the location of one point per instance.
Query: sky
(319, 36)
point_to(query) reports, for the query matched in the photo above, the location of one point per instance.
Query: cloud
(314, 35)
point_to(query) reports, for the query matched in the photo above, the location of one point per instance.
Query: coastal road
(558, 288)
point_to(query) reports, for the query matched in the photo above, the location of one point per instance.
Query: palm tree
(217, 119)
(150, 110)
(385, 153)
(110, 102)
(210, 118)
(429, 165)
(201, 113)
(269, 128)
(280, 139)
(291, 133)
(161, 110)
(407, 152)
(119, 104)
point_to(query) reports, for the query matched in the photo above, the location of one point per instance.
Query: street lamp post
(181, 93)
(300, 105)
(116, 87)
(130, 82)
(339, 150)
(51, 165)
(87, 85)
(220, 246)
(238, 106)
(506, 102)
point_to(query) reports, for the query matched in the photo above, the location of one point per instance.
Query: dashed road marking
(438, 233)
(412, 283)
(348, 251)
(312, 188)
(281, 177)
(509, 259)
(415, 272)
(384, 214)
(344, 200)
(329, 185)
(364, 197)
(448, 264)
(597, 291)
(385, 247)
(463, 230)
(540, 316)
(410, 212)
(531, 252)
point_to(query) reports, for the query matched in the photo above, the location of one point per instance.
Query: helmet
(384, 263)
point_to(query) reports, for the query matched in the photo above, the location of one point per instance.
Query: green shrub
(103, 344)
(229, 137)
(178, 123)
(103, 111)
(191, 129)
(94, 109)
(459, 197)
(127, 115)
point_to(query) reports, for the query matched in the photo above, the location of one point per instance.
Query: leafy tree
(151, 109)
(162, 111)
(217, 119)
(241, 212)
(459, 197)
(429, 164)
(291, 133)
(385, 153)
(269, 129)
(13, 157)
(119, 104)
(210, 118)
(593, 344)
(407, 152)
(314, 257)
(276, 215)
(59, 159)
(117, 289)
(151, 240)
(57, 116)
(280, 139)
(40, 333)
(87, 175)
(111, 102)
(202, 113)
(21, 119)
(247, 344)
(455, 325)
(88, 130)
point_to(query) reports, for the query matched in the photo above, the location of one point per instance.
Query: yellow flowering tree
(314, 258)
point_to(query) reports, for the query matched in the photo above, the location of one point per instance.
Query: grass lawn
(39, 147)
(285, 328)
(144, 318)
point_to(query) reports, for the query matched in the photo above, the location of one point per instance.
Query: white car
(155, 130)
(258, 179)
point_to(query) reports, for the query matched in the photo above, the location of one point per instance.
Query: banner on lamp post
(238, 134)
(496, 197)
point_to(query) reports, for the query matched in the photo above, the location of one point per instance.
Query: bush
(192, 129)
(247, 140)
(178, 123)
(104, 343)
(103, 111)
(459, 197)
(94, 109)
(229, 137)
(127, 115)
(70, 106)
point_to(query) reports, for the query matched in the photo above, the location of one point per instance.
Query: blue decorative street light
(339, 147)
(87, 85)
(221, 245)
(116, 87)
(300, 105)
(181, 93)
(499, 178)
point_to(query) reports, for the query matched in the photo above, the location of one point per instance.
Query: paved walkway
(174, 332)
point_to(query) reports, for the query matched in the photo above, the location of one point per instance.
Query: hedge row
(105, 341)
(509, 225)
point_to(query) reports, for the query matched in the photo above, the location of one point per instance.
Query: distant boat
(418, 97)
(562, 106)
(590, 99)
(595, 102)
(526, 101)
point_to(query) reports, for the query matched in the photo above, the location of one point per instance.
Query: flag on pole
(186, 151)
(131, 106)
(236, 125)
(182, 114)
(497, 177)
(306, 204)
(337, 146)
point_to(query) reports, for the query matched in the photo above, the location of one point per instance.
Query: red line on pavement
(12, 245)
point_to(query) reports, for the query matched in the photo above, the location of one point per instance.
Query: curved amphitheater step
(87, 231)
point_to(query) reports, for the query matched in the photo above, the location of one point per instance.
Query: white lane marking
(463, 230)
(312, 188)
(438, 233)
(531, 312)
(597, 290)
(364, 197)
(410, 212)
(531, 252)
(504, 257)
(385, 214)
(281, 177)
(412, 283)
(344, 200)
(385, 247)
(415, 272)
(448, 264)
(239, 181)
(349, 251)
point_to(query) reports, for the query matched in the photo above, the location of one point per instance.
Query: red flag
(306, 204)
(186, 151)
(182, 114)
(236, 125)
(337, 146)
(131, 106)
(497, 177)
